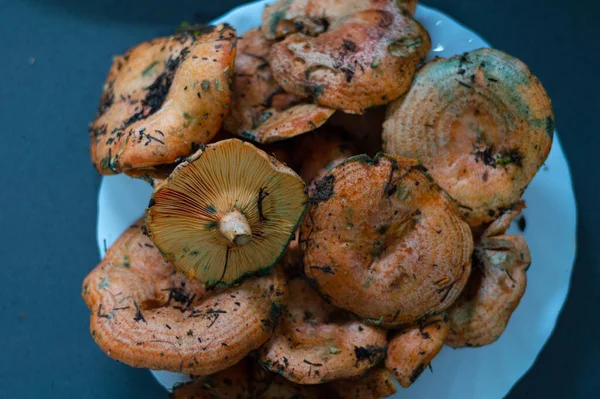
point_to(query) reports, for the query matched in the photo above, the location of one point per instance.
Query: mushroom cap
(162, 99)
(261, 110)
(146, 315)
(411, 350)
(231, 383)
(376, 384)
(409, 5)
(316, 343)
(497, 283)
(350, 55)
(385, 242)
(206, 196)
(481, 123)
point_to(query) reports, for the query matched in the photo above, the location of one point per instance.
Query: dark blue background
(48, 187)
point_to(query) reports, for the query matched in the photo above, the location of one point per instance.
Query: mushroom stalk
(234, 226)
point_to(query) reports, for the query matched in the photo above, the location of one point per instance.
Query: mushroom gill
(226, 213)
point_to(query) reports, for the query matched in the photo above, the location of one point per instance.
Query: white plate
(488, 372)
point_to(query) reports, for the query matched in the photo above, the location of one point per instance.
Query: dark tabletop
(54, 58)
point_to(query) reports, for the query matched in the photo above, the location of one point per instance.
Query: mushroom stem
(234, 226)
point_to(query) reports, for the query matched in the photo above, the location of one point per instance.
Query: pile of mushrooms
(327, 212)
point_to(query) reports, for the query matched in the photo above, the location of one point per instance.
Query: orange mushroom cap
(261, 110)
(411, 350)
(350, 55)
(497, 283)
(163, 99)
(145, 315)
(231, 383)
(316, 343)
(481, 123)
(385, 242)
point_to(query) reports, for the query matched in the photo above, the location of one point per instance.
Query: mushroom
(481, 123)
(376, 384)
(318, 153)
(247, 380)
(385, 242)
(163, 99)
(411, 350)
(261, 110)
(146, 315)
(316, 343)
(231, 383)
(350, 55)
(497, 283)
(226, 213)
(408, 5)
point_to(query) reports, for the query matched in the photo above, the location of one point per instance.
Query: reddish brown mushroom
(350, 55)
(261, 110)
(497, 284)
(145, 315)
(411, 350)
(162, 100)
(232, 383)
(385, 242)
(316, 343)
(481, 123)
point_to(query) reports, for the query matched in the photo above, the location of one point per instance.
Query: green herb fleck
(205, 85)
(149, 68)
(218, 84)
(375, 63)
(334, 351)
(103, 283)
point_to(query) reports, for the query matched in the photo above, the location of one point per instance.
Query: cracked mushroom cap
(316, 343)
(347, 55)
(144, 314)
(411, 350)
(261, 110)
(481, 123)
(385, 242)
(226, 213)
(497, 283)
(231, 383)
(162, 99)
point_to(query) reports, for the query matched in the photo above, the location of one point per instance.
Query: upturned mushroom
(261, 110)
(481, 123)
(385, 242)
(497, 284)
(162, 99)
(411, 350)
(350, 55)
(146, 315)
(316, 343)
(226, 213)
